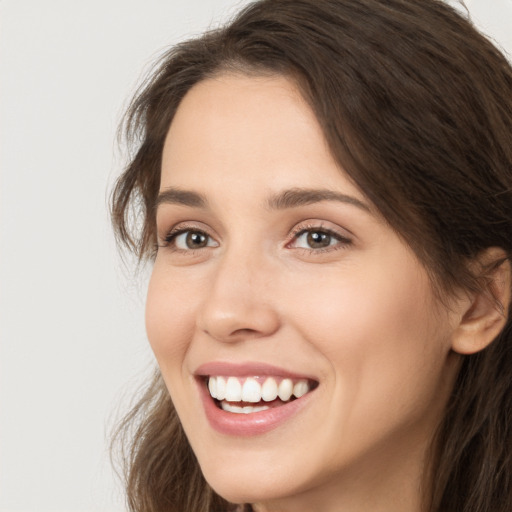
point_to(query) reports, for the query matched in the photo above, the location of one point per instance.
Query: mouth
(250, 395)
(250, 399)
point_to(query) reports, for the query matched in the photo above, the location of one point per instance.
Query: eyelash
(343, 242)
(170, 239)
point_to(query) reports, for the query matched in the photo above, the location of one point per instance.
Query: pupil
(317, 239)
(195, 240)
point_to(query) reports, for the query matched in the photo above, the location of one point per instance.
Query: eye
(314, 240)
(318, 238)
(190, 239)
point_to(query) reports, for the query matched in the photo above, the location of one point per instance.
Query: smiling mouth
(256, 394)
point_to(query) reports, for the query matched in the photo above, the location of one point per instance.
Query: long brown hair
(416, 107)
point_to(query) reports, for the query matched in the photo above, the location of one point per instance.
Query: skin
(359, 315)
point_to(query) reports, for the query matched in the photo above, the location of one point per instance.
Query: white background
(71, 316)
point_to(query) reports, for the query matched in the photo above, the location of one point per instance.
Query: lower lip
(252, 424)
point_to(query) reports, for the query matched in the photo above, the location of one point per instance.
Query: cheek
(378, 330)
(386, 358)
(359, 309)
(169, 318)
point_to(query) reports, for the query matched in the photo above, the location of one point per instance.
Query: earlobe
(488, 310)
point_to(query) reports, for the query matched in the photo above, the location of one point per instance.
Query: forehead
(237, 97)
(239, 131)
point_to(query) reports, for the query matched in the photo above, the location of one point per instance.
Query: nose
(239, 301)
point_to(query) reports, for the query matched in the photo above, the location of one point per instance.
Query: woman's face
(275, 275)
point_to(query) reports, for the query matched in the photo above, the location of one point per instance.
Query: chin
(252, 479)
(249, 489)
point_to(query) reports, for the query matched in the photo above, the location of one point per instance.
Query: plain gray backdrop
(71, 315)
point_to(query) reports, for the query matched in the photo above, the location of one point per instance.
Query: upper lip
(247, 369)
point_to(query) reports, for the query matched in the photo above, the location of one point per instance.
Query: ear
(487, 311)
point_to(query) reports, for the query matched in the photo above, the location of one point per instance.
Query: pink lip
(247, 424)
(246, 370)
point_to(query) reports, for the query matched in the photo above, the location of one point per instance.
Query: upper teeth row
(231, 389)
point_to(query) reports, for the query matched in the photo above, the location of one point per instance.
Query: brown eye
(318, 239)
(196, 240)
(189, 239)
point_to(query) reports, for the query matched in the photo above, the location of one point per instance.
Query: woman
(325, 190)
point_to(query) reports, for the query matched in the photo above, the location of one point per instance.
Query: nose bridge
(238, 302)
(244, 266)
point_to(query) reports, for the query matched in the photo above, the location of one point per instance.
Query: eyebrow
(291, 198)
(296, 197)
(181, 197)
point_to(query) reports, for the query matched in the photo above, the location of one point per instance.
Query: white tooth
(231, 408)
(300, 388)
(221, 388)
(285, 389)
(233, 390)
(260, 408)
(248, 409)
(251, 391)
(269, 390)
(212, 387)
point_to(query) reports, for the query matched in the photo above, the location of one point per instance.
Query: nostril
(230, 330)
(246, 333)
(235, 335)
